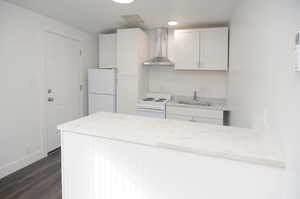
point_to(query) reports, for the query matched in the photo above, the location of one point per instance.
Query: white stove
(153, 105)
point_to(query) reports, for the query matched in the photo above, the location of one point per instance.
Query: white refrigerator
(102, 90)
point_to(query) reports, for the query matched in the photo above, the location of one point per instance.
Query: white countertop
(202, 139)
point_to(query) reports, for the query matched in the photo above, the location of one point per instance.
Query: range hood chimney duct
(161, 49)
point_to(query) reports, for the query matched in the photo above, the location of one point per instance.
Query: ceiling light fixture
(172, 23)
(123, 1)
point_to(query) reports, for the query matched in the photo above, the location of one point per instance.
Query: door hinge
(80, 52)
(81, 87)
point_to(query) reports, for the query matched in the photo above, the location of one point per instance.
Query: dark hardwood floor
(41, 180)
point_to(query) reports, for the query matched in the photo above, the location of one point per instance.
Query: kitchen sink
(194, 102)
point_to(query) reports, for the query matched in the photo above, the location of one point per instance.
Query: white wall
(22, 82)
(207, 83)
(263, 89)
(166, 79)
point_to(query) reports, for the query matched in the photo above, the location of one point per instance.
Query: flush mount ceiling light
(172, 23)
(123, 1)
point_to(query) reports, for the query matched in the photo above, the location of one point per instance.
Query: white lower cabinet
(77, 166)
(195, 115)
(98, 168)
(216, 121)
(179, 117)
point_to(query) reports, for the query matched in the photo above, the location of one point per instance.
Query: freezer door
(102, 81)
(97, 103)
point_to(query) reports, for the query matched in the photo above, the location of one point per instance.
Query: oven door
(151, 113)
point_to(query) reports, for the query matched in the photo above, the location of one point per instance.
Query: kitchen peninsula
(111, 156)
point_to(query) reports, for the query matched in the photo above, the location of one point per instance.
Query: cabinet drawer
(194, 119)
(196, 112)
(208, 121)
(179, 117)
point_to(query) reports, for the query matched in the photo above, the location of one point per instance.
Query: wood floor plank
(41, 180)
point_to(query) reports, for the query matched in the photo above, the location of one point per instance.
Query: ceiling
(98, 16)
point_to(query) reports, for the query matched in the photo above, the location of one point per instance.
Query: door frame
(44, 103)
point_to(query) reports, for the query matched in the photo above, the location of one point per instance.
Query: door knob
(50, 99)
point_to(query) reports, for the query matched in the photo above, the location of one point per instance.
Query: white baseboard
(21, 163)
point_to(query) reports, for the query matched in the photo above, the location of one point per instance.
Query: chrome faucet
(195, 95)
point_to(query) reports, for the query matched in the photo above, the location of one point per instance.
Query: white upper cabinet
(128, 51)
(201, 49)
(187, 44)
(107, 50)
(214, 49)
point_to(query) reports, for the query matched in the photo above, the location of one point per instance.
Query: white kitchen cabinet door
(77, 166)
(128, 51)
(96, 168)
(199, 112)
(201, 49)
(127, 93)
(187, 54)
(179, 117)
(214, 49)
(195, 115)
(208, 120)
(107, 50)
(132, 50)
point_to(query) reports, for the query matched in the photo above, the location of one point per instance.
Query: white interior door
(62, 59)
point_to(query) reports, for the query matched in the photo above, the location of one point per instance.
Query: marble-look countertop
(216, 103)
(202, 139)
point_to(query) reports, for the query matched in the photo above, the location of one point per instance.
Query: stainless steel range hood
(161, 49)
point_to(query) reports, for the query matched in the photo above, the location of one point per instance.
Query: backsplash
(206, 83)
